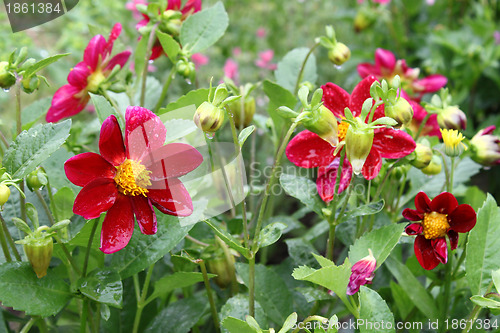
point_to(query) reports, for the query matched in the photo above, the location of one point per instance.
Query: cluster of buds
(241, 110)
(209, 116)
(338, 52)
(448, 116)
(396, 106)
(36, 179)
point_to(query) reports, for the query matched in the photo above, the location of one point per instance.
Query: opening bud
(358, 143)
(402, 112)
(36, 179)
(242, 111)
(361, 273)
(423, 156)
(323, 122)
(452, 118)
(453, 145)
(339, 54)
(486, 147)
(208, 117)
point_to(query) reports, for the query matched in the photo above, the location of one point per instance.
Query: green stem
(89, 245)
(151, 40)
(332, 220)
(112, 102)
(446, 172)
(320, 319)
(83, 318)
(251, 286)
(422, 125)
(4, 140)
(331, 240)
(452, 172)
(67, 254)
(45, 207)
(29, 324)
(213, 308)
(19, 127)
(165, 89)
(141, 302)
(447, 289)
(3, 243)
(10, 240)
(471, 319)
(301, 72)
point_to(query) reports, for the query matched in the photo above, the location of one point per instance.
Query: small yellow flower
(453, 145)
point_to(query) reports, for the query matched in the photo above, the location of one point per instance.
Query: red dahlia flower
(437, 218)
(361, 273)
(130, 177)
(308, 150)
(86, 76)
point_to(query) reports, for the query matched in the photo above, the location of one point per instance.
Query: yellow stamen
(94, 80)
(342, 130)
(435, 225)
(132, 178)
(452, 140)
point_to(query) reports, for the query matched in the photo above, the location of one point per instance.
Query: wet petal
(422, 203)
(453, 236)
(425, 253)
(111, 141)
(335, 99)
(96, 197)
(440, 249)
(144, 213)
(463, 218)
(360, 93)
(372, 165)
(412, 215)
(308, 150)
(118, 226)
(144, 132)
(84, 168)
(172, 160)
(444, 203)
(327, 177)
(414, 229)
(393, 143)
(171, 197)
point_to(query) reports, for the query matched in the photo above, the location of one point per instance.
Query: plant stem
(3, 243)
(422, 125)
(67, 254)
(320, 319)
(141, 302)
(45, 207)
(251, 286)
(89, 245)
(301, 72)
(331, 241)
(83, 318)
(471, 319)
(4, 140)
(332, 220)
(29, 324)
(151, 40)
(10, 240)
(19, 127)
(447, 288)
(452, 171)
(213, 308)
(165, 89)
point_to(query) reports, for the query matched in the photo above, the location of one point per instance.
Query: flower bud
(39, 252)
(323, 123)
(361, 273)
(358, 143)
(453, 145)
(402, 112)
(486, 147)
(7, 78)
(208, 117)
(364, 19)
(171, 21)
(434, 168)
(30, 84)
(423, 156)
(36, 179)
(339, 54)
(248, 111)
(452, 118)
(223, 269)
(185, 68)
(4, 194)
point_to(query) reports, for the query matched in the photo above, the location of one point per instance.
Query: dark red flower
(86, 76)
(361, 273)
(308, 150)
(437, 218)
(131, 176)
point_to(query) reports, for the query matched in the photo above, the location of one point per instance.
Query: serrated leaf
(373, 309)
(237, 307)
(289, 323)
(303, 189)
(301, 251)
(34, 146)
(483, 246)
(235, 325)
(42, 64)
(104, 109)
(177, 280)
(229, 239)
(324, 262)
(271, 233)
(194, 97)
(204, 28)
(380, 241)
(23, 291)
(362, 210)
(169, 45)
(289, 68)
(414, 289)
(244, 134)
(103, 286)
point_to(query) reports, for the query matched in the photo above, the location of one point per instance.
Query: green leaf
(496, 279)
(34, 112)
(152, 94)
(278, 96)
(401, 299)
(34, 146)
(271, 233)
(229, 239)
(380, 241)
(103, 286)
(332, 324)
(23, 291)
(324, 262)
(289, 323)
(237, 307)
(483, 247)
(244, 134)
(175, 281)
(42, 64)
(301, 251)
(104, 109)
(234, 325)
(362, 210)
(140, 55)
(253, 323)
(414, 289)
(144, 250)
(82, 237)
(204, 28)
(169, 45)
(272, 294)
(485, 302)
(62, 203)
(289, 68)
(194, 97)
(313, 294)
(303, 189)
(373, 311)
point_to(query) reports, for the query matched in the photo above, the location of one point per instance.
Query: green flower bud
(7, 78)
(36, 179)
(208, 117)
(402, 112)
(185, 68)
(323, 123)
(38, 249)
(364, 18)
(339, 54)
(452, 118)
(171, 22)
(358, 143)
(434, 167)
(4, 194)
(423, 156)
(30, 84)
(248, 111)
(223, 269)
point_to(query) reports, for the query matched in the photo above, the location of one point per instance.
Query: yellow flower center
(342, 130)
(452, 138)
(132, 178)
(435, 225)
(94, 80)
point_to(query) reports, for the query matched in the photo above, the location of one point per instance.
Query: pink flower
(261, 33)
(361, 273)
(199, 60)
(496, 36)
(236, 51)
(87, 76)
(132, 6)
(264, 60)
(486, 147)
(231, 69)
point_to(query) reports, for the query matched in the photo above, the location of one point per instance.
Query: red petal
(327, 177)
(412, 215)
(414, 229)
(172, 160)
(174, 4)
(111, 141)
(422, 203)
(386, 60)
(84, 168)
(66, 104)
(119, 59)
(393, 143)
(366, 69)
(335, 99)
(463, 218)
(440, 249)
(445, 203)
(96, 197)
(430, 83)
(144, 213)
(372, 165)
(191, 6)
(425, 253)
(113, 35)
(94, 51)
(453, 236)
(118, 226)
(171, 197)
(308, 150)
(78, 75)
(144, 132)
(360, 93)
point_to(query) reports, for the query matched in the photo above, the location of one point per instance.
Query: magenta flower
(261, 33)
(265, 59)
(131, 176)
(87, 76)
(308, 150)
(199, 60)
(231, 69)
(361, 273)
